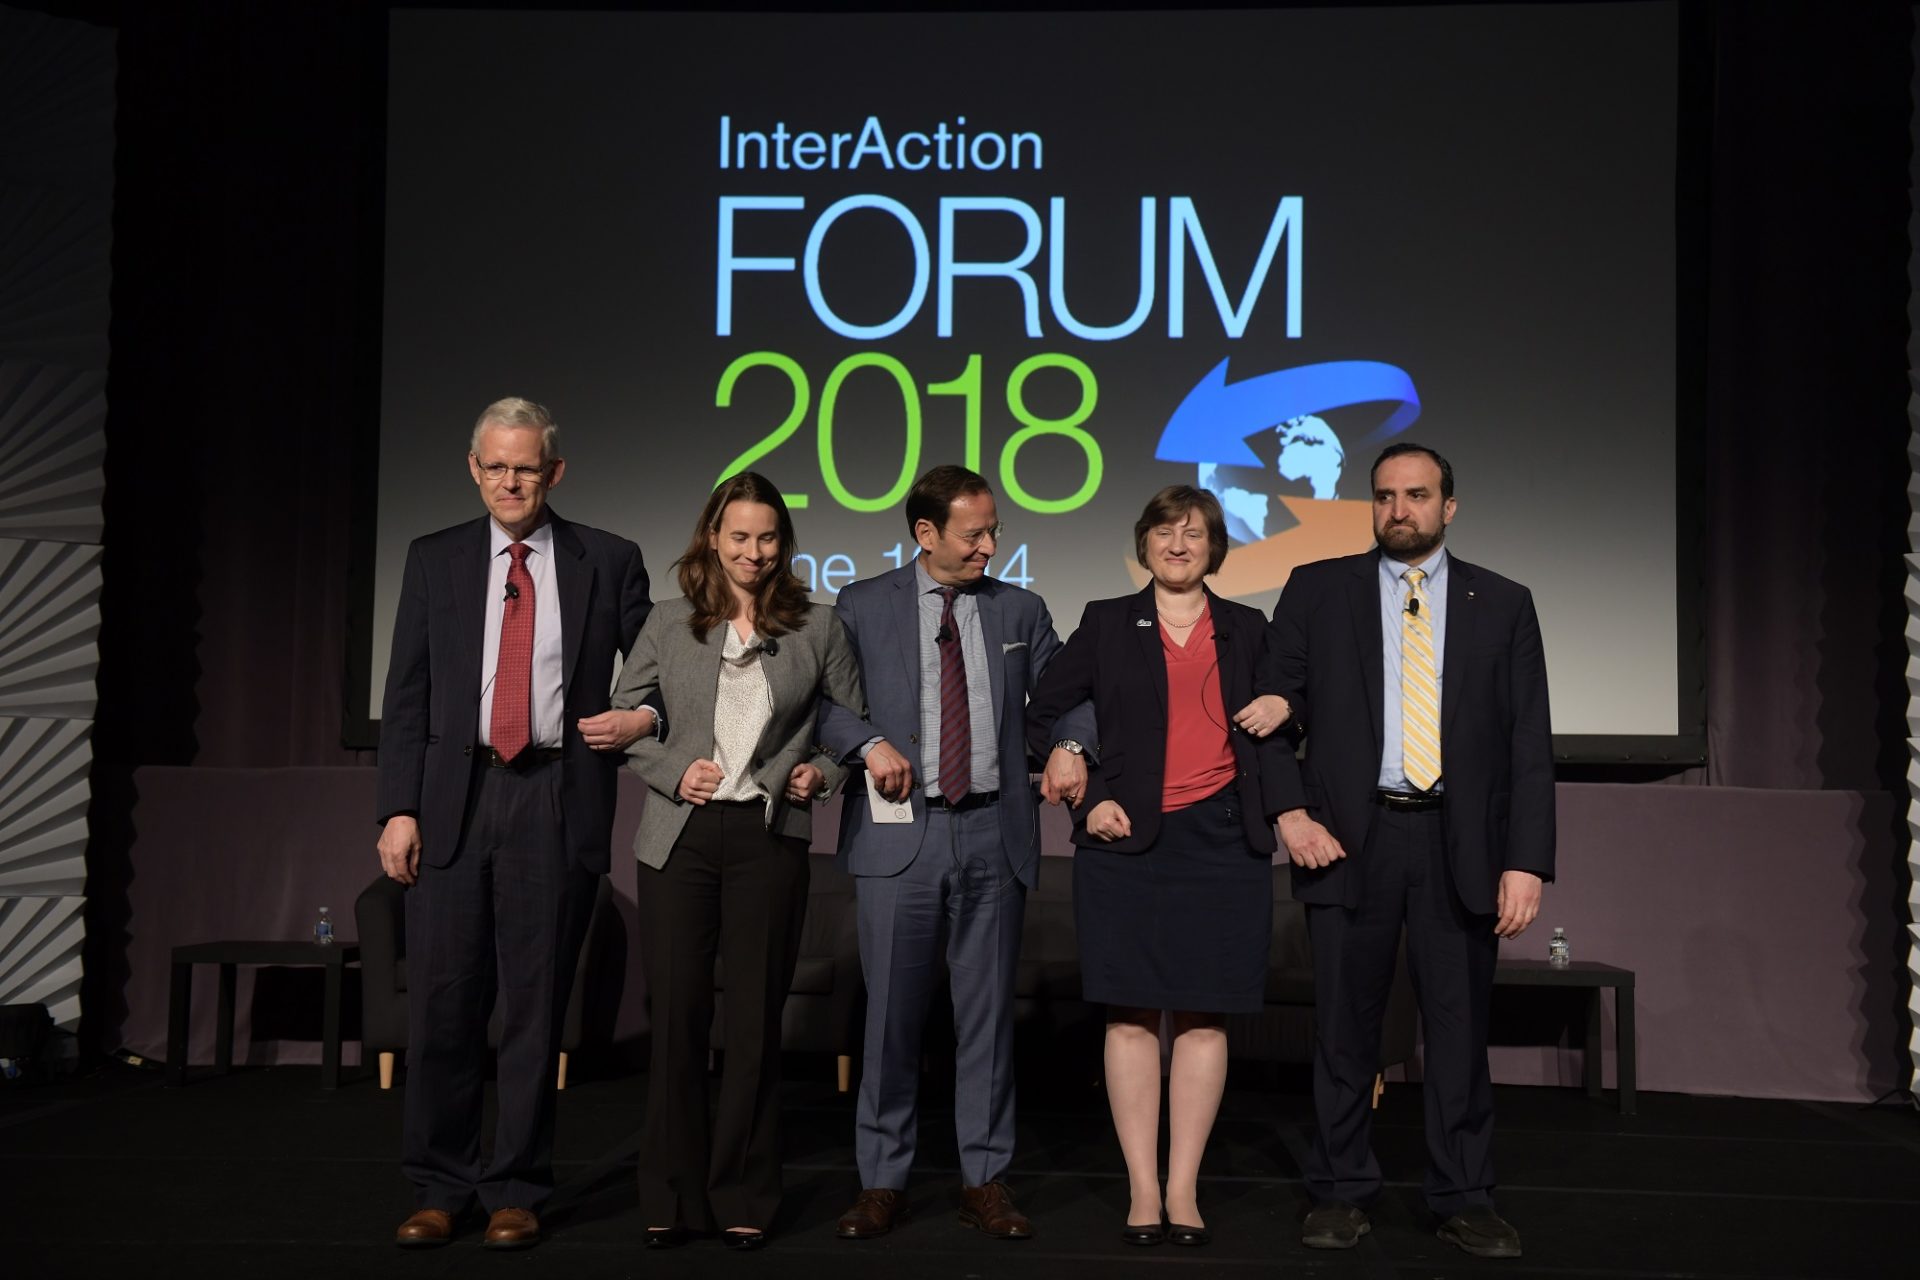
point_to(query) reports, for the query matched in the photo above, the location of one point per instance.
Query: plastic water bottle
(323, 929)
(1559, 955)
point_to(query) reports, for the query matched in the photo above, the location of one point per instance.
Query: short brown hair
(932, 495)
(780, 603)
(1171, 505)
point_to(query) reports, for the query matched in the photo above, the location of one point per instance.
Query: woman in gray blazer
(739, 664)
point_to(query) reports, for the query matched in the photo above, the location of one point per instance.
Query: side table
(228, 955)
(1591, 977)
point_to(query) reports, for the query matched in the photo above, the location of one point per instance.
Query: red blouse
(1199, 758)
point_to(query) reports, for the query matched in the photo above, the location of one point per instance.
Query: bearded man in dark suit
(1424, 800)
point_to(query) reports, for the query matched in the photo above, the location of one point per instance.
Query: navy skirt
(1185, 925)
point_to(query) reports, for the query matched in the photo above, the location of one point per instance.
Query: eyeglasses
(977, 536)
(499, 471)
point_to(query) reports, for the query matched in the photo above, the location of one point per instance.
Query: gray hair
(515, 412)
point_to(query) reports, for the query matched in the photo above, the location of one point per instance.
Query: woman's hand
(803, 782)
(1263, 715)
(1108, 821)
(700, 781)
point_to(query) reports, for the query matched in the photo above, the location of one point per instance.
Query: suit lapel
(467, 567)
(1363, 600)
(1144, 622)
(906, 624)
(993, 630)
(574, 576)
(1461, 617)
(789, 674)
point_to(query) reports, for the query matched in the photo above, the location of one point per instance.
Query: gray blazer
(814, 661)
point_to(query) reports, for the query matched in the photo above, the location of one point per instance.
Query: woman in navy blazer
(1172, 876)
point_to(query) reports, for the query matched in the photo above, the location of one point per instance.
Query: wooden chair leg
(386, 1071)
(1379, 1087)
(563, 1071)
(843, 1066)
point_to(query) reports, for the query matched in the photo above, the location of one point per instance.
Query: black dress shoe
(1188, 1235)
(744, 1241)
(1334, 1224)
(666, 1237)
(1481, 1232)
(1153, 1233)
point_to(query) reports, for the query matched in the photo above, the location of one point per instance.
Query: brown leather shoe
(873, 1214)
(990, 1209)
(512, 1229)
(426, 1229)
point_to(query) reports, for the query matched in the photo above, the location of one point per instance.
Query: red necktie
(513, 673)
(956, 727)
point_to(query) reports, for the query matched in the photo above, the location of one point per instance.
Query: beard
(1408, 542)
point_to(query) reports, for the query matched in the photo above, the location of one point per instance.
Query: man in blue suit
(948, 656)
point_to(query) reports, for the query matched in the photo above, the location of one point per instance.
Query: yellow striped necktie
(1419, 688)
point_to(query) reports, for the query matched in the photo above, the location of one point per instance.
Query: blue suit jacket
(882, 619)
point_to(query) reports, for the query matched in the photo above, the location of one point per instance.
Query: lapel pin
(1143, 622)
(1469, 595)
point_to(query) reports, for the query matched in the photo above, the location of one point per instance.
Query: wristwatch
(1068, 744)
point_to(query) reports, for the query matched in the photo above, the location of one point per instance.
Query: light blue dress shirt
(1394, 591)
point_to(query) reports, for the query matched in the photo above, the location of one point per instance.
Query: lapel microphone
(513, 592)
(770, 647)
(1413, 605)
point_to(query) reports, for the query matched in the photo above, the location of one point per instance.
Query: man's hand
(1109, 821)
(1263, 715)
(803, 782)
(700, 781)
(400, 848)
(617, 730)
(891, 774)
(1308, 843)
(1518, 902)
(1065, 778)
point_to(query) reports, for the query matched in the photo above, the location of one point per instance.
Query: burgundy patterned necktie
(513, 673)
(956, 728)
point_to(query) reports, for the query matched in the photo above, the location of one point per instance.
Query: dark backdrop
(244, 389)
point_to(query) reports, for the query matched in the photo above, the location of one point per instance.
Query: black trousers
(732, 888)
(1450, 957)
(501, 924)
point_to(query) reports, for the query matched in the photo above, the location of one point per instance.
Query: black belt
(527, 759)
(972, 800)
(1406, 801)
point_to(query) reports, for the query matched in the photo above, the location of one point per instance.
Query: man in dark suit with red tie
(1424, 800)
(498, 763)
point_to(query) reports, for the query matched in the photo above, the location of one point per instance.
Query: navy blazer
(1115, 658)
(1496, 742)
(882, 619)
(429, 721)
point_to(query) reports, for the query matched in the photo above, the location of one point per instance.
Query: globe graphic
(1299, 458)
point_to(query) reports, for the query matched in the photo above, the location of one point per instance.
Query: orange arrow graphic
(1329, 528)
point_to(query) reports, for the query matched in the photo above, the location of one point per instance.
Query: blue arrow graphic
(1212, 424)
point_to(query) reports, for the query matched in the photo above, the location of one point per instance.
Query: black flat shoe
(666, 1237)
(1153, 1234)
(1188, 1235)
(744, 1241)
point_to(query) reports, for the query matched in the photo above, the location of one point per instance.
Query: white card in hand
(885, 810)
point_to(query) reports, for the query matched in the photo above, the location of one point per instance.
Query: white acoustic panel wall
(49, 628)
(40, 954)
(43, 805)
(53, 430)
(56, 249)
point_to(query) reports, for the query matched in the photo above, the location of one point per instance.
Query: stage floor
(261, 1174)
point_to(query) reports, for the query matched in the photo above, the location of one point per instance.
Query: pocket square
(1011, 645)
